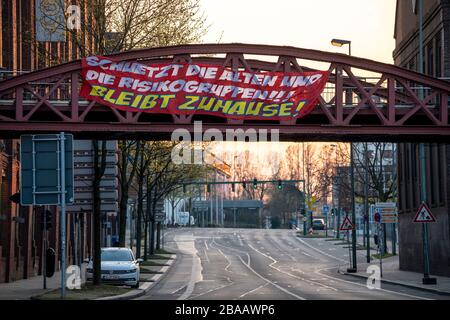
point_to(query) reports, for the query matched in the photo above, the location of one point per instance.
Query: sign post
(425, 216)
(387, 214)
(62, 194)
(47, 178)
(346, 226)
(325, 212)
(377, 219)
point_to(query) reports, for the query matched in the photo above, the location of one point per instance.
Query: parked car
(118, 266)
(318, 224)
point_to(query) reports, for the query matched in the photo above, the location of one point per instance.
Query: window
(430, 59)
(438, 54)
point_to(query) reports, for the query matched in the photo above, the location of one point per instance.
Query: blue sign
(40, 179)
(325, 208)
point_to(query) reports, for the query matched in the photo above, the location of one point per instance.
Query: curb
(145, 287)
(404, 284)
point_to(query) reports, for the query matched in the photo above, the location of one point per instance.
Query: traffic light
(184, 188)
(244, 184)
(255, 183)
(280, 185)
(208, 187)
(232, 187)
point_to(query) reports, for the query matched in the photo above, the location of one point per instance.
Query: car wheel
(136, 286)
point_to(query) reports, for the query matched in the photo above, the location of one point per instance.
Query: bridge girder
(354, 106)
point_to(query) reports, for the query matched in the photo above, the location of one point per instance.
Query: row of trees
(109, 26)
(322, 166)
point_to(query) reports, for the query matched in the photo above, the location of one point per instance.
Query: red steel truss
(364, 99)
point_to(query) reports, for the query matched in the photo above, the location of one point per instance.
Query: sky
(311, 24)
(368, 24)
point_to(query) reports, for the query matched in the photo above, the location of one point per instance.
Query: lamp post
(332, 147)
(366, 201)
(423, 172)
(352, 187)
(340, 43)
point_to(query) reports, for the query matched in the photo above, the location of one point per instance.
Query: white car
(118, 267)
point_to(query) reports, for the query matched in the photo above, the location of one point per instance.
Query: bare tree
(99, 170)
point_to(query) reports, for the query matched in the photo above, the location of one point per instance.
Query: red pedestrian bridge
(363, 99)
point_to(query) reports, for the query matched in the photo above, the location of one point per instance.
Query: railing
(392, 97)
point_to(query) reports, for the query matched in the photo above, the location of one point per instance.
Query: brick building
(436, 62)
(20, 228)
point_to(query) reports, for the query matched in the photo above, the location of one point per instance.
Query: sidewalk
(26, 288)
(152, 271)
(392, 274)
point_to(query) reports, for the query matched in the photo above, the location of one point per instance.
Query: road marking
(212, 290)
(206, 256)
(290, 274)
(267, 280)
(240, 241)
(320, 251)
(179, 289)
(254, 290)
(196, 271)
(306, 254)
(259, 275)
(229, 262)
(206, 245)
(273, 240)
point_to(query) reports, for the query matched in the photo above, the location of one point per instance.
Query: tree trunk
(123, 217)
(125, 180)
(145, 239)
(173, 212)
(152, 238)
(386, 249)
(139, 215)
(97, 233)
(123, 204)
(158, 236)
(99, 170)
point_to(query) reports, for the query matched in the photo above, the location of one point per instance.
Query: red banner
(181, 88)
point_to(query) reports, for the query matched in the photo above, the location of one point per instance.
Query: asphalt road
(230, 264)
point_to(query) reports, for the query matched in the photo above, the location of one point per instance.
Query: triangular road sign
(424, 214)
(347, 224)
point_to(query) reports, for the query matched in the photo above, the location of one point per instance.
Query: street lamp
(340, 43)
(422, 161)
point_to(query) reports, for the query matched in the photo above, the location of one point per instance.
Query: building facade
(21, 234)
(436, 62)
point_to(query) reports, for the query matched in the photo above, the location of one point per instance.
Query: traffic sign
(40, 182)
(325, 208)
(424, 214)
(347, 225)
(387, 212)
